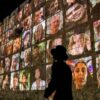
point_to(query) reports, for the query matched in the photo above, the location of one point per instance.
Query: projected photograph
(4, 25)
(26, 58)
(5, 22)
(37, 2)
(1, 30)
(75, 13)
(1, 41)
(2, 51)
(24, 80)
(7, 36)
(48, 74)
(1, 80)
(3, 38)
(51, 44)
(82, 71)
(11, 21)
(9, 48)
(27, 23)
(97, 45)
(38, 16)
(98, 61)
(53, 7)
(38, 54)
(26, 39)
(38, 79)
(12, 18)
(15, 62)
(98, 69)
(54, 24)
(16, 44)
(78, 42)
(1, 66)
(14, 81)
(19, 15)
(10, 34)
(96, 25)
(6, 82)
(7, 64)
(1, 72)
(26, 10)
(94, 2)
(38, 32)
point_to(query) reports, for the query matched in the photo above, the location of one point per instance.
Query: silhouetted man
(61, 78)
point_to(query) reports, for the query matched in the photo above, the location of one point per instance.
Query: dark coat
(61, 81)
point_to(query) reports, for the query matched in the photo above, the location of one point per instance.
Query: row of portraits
(25, 59)
(38, 77)
(24, 80)
(75, 13)
(82, 72)
(78, 41)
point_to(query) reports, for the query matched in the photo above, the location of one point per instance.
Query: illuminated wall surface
(29, 33)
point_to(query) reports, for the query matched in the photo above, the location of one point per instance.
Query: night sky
(7, 6)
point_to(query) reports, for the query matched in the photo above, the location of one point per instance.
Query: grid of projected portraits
(29, 33)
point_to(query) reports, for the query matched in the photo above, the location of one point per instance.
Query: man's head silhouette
(59, 53)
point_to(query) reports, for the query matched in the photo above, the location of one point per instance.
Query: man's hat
(59, 53)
